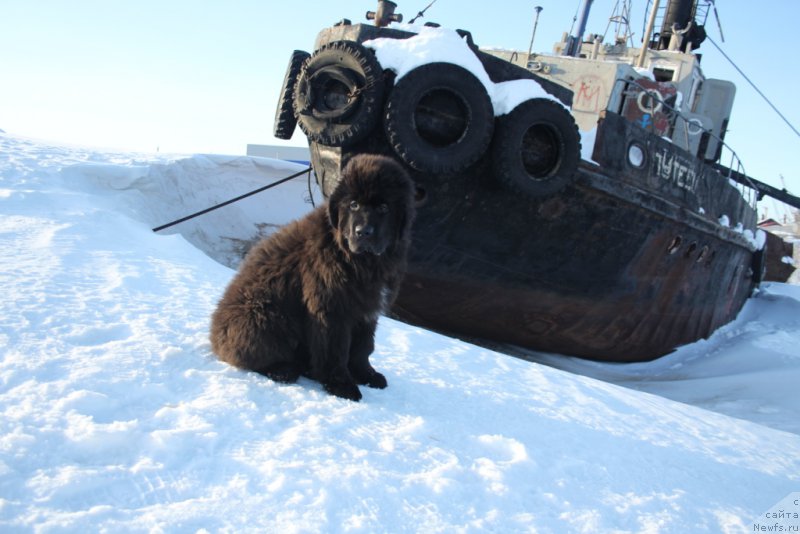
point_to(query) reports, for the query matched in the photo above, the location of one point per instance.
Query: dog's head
(372, 207)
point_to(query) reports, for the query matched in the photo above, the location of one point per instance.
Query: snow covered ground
(116, 416)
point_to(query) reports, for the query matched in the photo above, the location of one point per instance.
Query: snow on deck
(441, 45)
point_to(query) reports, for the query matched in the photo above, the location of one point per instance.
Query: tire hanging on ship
(339, 94)
(439, 118)
(285, 120)
(537, 148)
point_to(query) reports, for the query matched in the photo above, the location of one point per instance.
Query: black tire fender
(439, 118)
(339, 94)
(285, 120)
(537, 148)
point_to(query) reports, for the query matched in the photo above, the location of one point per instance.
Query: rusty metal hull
(592, 273)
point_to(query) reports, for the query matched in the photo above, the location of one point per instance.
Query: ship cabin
(668, 95)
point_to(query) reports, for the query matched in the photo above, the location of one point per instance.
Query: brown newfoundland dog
(306, 300)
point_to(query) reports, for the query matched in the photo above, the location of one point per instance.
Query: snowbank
(161, 192)
(116, 417)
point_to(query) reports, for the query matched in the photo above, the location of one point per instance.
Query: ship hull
(606, 269)
(593, 272)
(625, 262)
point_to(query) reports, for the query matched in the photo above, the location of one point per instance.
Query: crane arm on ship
(763, 189)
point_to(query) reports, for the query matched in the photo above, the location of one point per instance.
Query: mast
(648, 33)
(535, 23)
(577, 37)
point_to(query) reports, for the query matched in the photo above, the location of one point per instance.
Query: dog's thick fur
(306, 300)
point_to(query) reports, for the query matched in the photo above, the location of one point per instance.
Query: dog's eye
(354, 205)
(383, 208)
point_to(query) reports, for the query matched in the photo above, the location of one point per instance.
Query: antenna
(538, 10)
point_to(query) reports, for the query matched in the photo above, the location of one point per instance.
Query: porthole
(674, 245)
(636, 155)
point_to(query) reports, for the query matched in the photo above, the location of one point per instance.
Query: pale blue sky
(203, 76)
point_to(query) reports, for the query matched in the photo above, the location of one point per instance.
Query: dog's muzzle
(363, 239)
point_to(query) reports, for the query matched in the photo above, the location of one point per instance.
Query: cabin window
(663, 75)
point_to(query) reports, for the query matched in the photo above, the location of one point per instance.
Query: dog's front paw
(345, 390)
(377, 380)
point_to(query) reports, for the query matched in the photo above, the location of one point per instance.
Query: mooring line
(231, 201)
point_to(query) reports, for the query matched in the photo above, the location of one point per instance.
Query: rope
(311, 193)
(754, 87)
(231, 201)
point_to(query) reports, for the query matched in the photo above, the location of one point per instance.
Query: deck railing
(746, 186)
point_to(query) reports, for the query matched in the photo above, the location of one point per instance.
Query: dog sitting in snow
(306, 300)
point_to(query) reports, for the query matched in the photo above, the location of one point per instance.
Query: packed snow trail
(117, 417)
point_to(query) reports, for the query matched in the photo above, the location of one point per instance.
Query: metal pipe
(535, 23)
(647, 34)
(583, 18)
(596, 47)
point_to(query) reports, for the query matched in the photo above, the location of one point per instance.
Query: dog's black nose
(364, 230)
